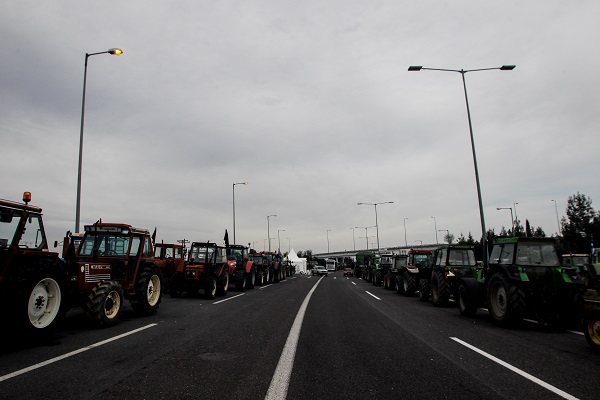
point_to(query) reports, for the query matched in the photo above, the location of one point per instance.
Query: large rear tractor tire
(591, 330)
(400, 283)
(44, 298)
(148, 291)
(223, 283)
(440, 289)
(466, 301)
(409, 283)
(104, 303)
(506, 301)
(424, 290)
(251, 279)
(240, 280)
(210, 290)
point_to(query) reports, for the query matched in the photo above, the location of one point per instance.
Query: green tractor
(588, 266)
(451, 263)
(524, 278)
(364, 265)
(399, 262)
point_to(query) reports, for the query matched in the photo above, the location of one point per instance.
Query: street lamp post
(116, 52)
(269, 229)
(353, 239)
(366, 234)
(436, 231)
(328, 230)
(447, 234)
(279, 240)
(557, 222)
(376, 223)
(240, 183)
(512, 221)
(463, 72)
(405, 242)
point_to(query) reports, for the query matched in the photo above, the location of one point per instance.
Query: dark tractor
(276, 271)
(416, 275)
(33, 282)
(261, 268)
(364, 265)
(114, 262)
(399, 262)
(451, 263)
(524, 278)
(206, 270)
(386, 263)
(588, 266)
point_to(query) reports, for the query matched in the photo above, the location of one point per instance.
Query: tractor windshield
(201, 253)
(461, 257)
(106, 244)
(32, 237)
(237, 255)
(537, 254)
(423, 260)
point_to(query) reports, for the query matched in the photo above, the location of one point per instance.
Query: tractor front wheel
(424, 290)
(591, 330)
(105, 303)
(506, 301)
(223, 283)
(148, 290)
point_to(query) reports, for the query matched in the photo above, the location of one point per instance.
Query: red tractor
(170, 258)
(207, 269)
(114, 262)
(33, 282)
(242, 271)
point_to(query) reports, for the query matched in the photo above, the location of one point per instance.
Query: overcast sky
(309, 102)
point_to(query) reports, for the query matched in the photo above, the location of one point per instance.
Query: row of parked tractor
(523, 278)
(108, 264)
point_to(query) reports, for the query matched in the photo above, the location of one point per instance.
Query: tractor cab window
(106, 244)
(503, 253)
(461, 257)
(8, 227)
(440, 260)
(536, 254)
(202, 253)
(147, 248)
(33, 235)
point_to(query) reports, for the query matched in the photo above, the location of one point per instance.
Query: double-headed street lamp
(376, 223)
(116, 52)
(463, 72)
(269, 229)
(240, 183)
(512, 221)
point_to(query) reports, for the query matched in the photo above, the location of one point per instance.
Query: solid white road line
(281, 378)
(55, 359)
(517, 370)
(266, 286)
(371, 294)
(354, 283)
(229, 298)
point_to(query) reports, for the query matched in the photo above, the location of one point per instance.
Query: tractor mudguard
(249, 266)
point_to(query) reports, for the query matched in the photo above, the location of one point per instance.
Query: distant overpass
(339, 255)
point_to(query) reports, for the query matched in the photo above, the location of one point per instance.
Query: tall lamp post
(405, 242)
(353, 239)
(269, 229)
(557, 222)
(376, 223)
(436, 231)
(366, 234)
(116, 52)
(328, 230)
(240, 183)
(512, 221)
(463, 72)
(279, 240)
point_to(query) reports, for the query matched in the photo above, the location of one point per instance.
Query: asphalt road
(332, 337)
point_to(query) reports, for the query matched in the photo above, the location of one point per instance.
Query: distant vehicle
(330, 264)
(348, 272)
(319, 270)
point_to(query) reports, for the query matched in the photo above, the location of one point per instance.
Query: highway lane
(351, 345)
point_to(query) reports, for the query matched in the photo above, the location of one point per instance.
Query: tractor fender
(413, 270)
(248, 267)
